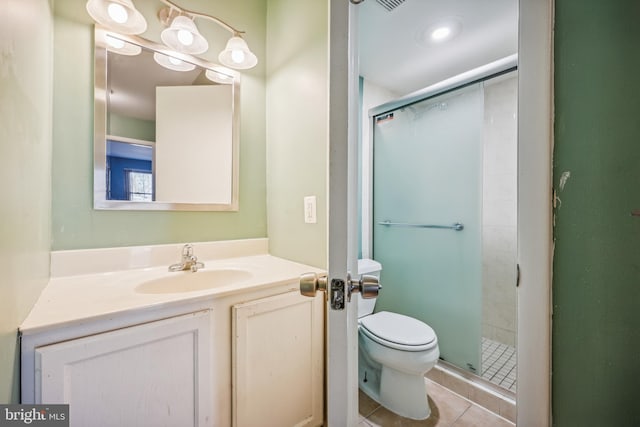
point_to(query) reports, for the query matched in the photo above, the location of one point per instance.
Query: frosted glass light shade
(220, 76)
(121, 47)
(237, 54)
(183, 36)
(126, 20)
(172, 63)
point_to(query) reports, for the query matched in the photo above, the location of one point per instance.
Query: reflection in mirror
(129, 170)
(166, 128)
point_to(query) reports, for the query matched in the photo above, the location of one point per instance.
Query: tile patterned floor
(499, 364)
(447, 410)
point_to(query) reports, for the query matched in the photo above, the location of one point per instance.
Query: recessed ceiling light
(440, 34)
(439, 31)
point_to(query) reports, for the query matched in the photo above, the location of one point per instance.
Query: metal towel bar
(457, 226)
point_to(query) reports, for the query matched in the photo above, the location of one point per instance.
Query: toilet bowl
(394, 354)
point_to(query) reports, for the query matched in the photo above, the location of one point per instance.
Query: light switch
(310, 210)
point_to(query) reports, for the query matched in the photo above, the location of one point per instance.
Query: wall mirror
(166, 128)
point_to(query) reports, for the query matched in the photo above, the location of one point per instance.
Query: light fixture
(183, 35)
(236, 55)
(180, 34)
(117, 15)
(172, 63)
(439, 32)
(122, 47)
(220, 75)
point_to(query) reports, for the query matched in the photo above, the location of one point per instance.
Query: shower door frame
(460, 342)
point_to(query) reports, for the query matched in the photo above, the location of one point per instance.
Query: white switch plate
(310, 210)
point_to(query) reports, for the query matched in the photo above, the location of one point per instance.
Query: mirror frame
(100, 201)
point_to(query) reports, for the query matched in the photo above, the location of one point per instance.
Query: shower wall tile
(500, 211)
(500, 239)
(505, 336)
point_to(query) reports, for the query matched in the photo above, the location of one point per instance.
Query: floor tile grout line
(497, 367)
(461, 414)
(469, 403)
(371, 413)
(494, 363)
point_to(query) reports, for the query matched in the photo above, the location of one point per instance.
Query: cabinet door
(278, 361)
(155, 374)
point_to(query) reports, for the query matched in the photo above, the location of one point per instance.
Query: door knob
(310, 283)
(368, 286)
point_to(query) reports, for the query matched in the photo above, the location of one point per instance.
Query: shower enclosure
(444, 218)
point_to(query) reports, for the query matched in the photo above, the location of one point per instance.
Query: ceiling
(132, 82)
(391, 52)
(394, 55)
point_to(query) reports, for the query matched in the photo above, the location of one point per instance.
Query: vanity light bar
(181, 33)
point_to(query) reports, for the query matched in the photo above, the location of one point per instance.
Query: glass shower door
(427, 171)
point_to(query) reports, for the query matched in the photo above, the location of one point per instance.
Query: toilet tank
(373, 268)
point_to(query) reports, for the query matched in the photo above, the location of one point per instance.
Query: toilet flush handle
(368, 286)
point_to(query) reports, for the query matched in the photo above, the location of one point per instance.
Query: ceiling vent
(390, 4)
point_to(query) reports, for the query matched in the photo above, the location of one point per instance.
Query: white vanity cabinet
(278, 358)
(154, 374)
(248, 353)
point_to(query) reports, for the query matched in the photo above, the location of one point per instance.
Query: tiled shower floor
(499, 364)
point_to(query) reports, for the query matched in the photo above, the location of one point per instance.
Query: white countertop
(67, 300)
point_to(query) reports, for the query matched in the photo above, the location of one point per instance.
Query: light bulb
(185, 37)
(237, 56)
(174, 61)
(440, 33)
(118, 13)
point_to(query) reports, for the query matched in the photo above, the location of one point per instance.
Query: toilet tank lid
(366, 266)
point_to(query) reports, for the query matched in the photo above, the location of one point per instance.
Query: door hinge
(517, 275)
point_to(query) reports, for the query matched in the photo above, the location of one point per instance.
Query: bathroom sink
(186, 281)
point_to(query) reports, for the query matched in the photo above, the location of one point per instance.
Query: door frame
(535, 230)
(535, 244)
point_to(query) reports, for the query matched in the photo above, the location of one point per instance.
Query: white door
(342, 338)
(341, 330)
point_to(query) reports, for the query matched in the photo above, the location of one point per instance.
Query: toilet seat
(399, 332)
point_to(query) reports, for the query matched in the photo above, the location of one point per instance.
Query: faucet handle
(196, 265)
(187, 250)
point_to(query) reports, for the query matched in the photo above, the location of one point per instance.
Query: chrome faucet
(189, 261)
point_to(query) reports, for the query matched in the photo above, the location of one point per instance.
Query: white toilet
(394, 354)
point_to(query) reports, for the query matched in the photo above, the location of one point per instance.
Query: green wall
(596, 277)
(297, 127)
(131, 127)
(76, 224)
(26, 54)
